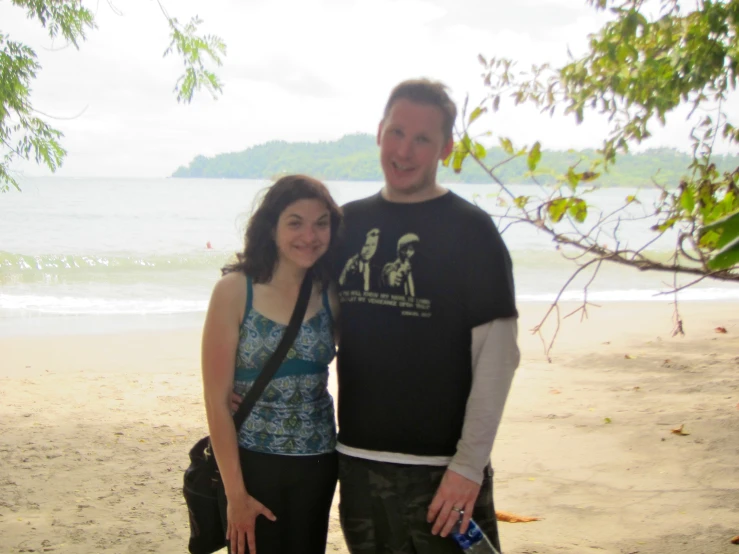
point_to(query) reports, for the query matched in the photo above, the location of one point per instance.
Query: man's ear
(448, 147)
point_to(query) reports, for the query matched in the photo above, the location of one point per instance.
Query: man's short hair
(426, 91)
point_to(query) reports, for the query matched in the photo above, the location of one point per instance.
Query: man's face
(411, 143)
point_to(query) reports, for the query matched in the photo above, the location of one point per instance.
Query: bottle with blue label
(473, 541)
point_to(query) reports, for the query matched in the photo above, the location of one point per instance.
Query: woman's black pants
(298, 490)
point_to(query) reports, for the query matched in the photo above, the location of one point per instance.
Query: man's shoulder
(475, 219)
(363, 204)
(468, 208)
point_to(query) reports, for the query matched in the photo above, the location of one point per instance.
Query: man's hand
(235, 402)
(455, 493)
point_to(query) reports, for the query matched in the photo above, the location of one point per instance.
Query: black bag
(202, 479)
(201, 495)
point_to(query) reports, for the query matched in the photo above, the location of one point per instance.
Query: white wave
(71, 305)
(637, 295)
(29, 304)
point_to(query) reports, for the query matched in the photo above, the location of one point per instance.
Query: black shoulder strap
(275, 361)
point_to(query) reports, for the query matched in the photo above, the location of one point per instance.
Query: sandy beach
(95, 430)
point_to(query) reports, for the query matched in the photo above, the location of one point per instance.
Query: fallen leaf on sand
(721, 330)
(679, 430)
(513, 518)
(629, 356)
(554, 391)
(607, 420)
(637, 388)
(735, 540)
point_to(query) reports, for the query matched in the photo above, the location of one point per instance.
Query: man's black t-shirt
(414, 279)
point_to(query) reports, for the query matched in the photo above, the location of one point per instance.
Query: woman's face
(303, 233)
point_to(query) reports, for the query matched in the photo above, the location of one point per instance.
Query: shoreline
(95, 430)
(69, 325)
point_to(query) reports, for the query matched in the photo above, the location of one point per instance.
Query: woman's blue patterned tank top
(295, 413)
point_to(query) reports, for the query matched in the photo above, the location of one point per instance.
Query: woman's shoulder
(228, 300)
(232, 280)
(231, 286)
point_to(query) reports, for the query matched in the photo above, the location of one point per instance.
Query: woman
(279, 469)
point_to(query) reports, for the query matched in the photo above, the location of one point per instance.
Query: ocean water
(98, 255)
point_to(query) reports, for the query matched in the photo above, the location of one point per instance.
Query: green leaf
(727, 257)
(687, 200)
(557, 209)
(662, 227)
(572, 178)
(465, 144)
(534, 156)
(459, 156)
(479, 151)
(709, 239)
(521, 201)
(727, 227)
(507, 145)
(477, 112)
(578, 209)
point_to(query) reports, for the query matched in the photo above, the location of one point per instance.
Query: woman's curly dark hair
(259, 256)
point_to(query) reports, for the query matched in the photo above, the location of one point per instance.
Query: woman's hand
(242, 513)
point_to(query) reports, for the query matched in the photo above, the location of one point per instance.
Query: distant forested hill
(355, 158)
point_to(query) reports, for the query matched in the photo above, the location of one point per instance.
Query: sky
(295, 70)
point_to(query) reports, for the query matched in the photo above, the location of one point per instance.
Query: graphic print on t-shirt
(384, 282)
(398, 274)
(357, 272)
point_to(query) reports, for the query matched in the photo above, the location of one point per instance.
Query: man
(425, 364)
